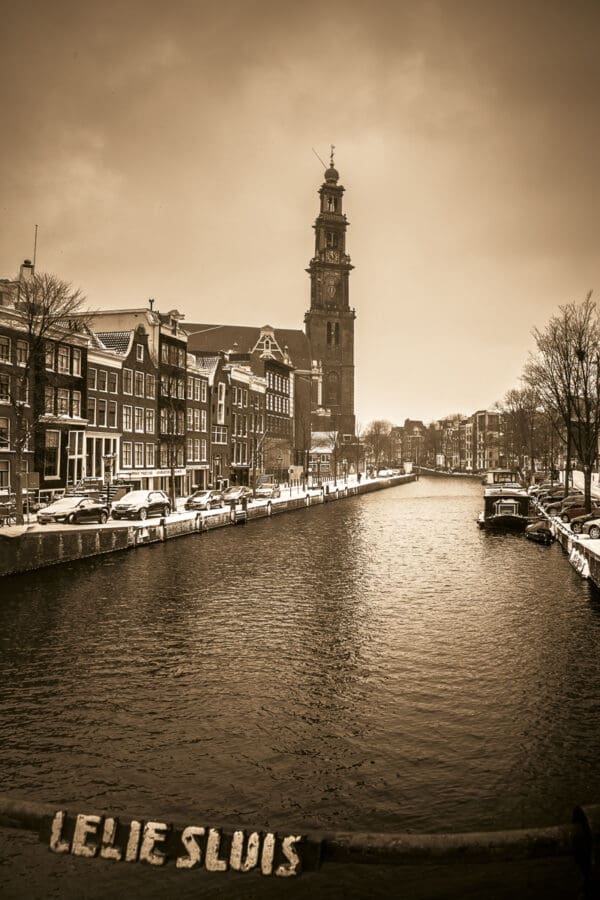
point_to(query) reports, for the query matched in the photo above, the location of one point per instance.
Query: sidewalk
(578, 482)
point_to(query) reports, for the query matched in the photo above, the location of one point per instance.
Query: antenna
(35, 245)
(318, 157)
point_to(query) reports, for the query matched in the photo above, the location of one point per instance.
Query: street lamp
(108, 460)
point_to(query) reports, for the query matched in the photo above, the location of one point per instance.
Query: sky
(166, 151)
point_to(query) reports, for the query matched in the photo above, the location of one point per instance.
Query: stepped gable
(213, 338)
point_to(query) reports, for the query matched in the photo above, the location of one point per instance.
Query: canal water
(373, 664)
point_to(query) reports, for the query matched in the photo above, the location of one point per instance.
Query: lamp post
(108, 460)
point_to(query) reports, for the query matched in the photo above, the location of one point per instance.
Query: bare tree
(377, 438)
(522, 420)
(46, 308)
(566, 373)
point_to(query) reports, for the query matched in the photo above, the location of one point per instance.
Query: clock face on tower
(331, 255)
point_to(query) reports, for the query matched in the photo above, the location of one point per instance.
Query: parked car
(237, 493)
(385, 473)
(577, 510)
(556, 507)
(578, 522)
(74, 510)
(204, 500)
(141, 504)
(267, 490)
(548, 499)
(591, 528)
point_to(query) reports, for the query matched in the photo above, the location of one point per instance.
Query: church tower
(329, 322)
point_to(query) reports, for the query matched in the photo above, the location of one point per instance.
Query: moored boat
(505, 507)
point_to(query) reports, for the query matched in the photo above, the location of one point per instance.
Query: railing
(219, 849)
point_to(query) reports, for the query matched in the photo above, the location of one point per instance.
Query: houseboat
(501, 476)
(505, 506)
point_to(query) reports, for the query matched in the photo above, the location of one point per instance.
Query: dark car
(578, 522)
(556, 507)
(141, 505)
(74, 510)
(577, 511)
(237, 494)
(558, 498)
(204, 500)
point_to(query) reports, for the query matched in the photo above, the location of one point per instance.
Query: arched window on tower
(329, 334)
(337, 334)
(330, 204)
(333, 389)
(332, 239)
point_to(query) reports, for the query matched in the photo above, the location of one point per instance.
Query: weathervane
(331, 158)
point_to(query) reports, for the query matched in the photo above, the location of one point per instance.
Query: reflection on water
(377, 663)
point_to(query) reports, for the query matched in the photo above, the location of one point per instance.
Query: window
(91, 410)
(189, 418)
(49, 353)
(164, 385)
(138, 460)
(102, 379)
(150, 460)
(203, 391)
(4, 433)
(92, 379)
(181, 357)
(150, 387)
(112, 413)
(4, 474)
(139, 352)
(332, 239)
(76, 404)
(76, 361)
(139, 384)
(219, 434)
(196, 420)
(64, 359)
(164, 354)
(180, 422)
(127, 381)
(337, 334)
(181, 388)
(150, 421)
(190, 449)
(49, 400)
(52, 454)
(202, 420)
(197, 387)
(196, 449)
(22, 353)
(4, 389)
(203, 449)
(190, 388)
(101, 413)
(4, 349)
(221, 403)
(139, 419)
(127, 425)
(112, 382)
(127, 458)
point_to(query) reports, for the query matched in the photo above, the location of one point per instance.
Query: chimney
(26, 270)
(151, 303)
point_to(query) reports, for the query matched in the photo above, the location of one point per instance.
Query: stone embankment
(583, 551)
(24, 549)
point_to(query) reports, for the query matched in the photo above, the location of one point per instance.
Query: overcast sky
(164, 150)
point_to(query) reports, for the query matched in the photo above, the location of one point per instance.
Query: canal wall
(583, 552)
(28, 550)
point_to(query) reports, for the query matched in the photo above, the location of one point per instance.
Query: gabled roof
(225, 337)
(115, 340)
